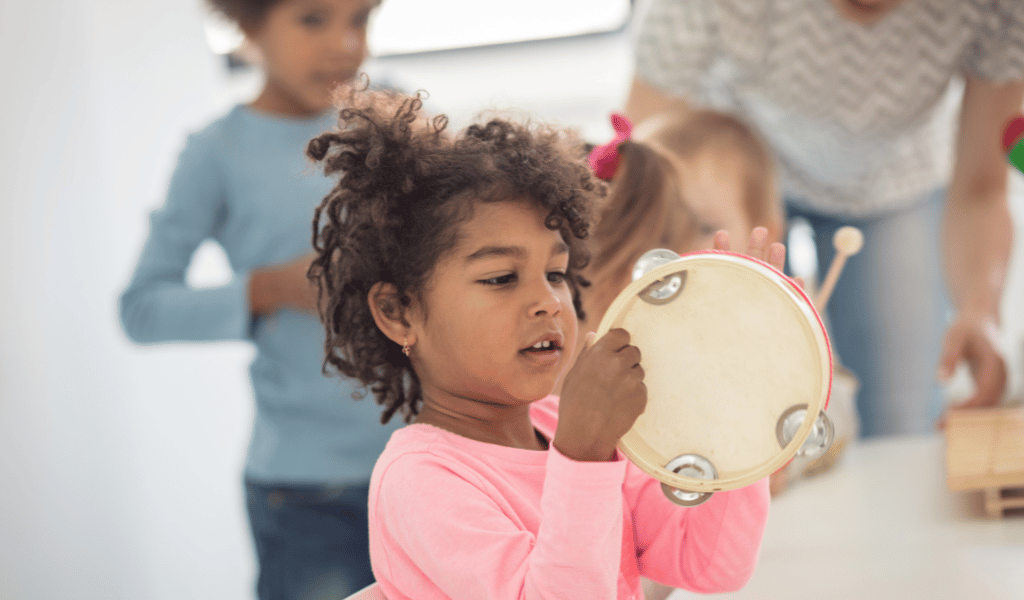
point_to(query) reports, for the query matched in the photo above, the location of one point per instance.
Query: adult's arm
(675, 47)
(978, 235)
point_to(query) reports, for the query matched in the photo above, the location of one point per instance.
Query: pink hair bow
(604, 160)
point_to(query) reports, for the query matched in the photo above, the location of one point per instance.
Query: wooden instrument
(985, 452)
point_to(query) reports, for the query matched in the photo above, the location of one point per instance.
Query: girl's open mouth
(543, 346)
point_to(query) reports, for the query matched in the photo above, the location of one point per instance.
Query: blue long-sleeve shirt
(244, 181)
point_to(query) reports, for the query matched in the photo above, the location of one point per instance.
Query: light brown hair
(697, 131)
(644, 208)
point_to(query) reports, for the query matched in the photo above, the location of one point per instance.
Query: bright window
(408, 26)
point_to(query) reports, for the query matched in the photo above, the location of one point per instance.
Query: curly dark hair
(405, 187)
(244, 12)
(251, 13)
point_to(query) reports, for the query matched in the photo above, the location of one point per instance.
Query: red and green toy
(1013, 142)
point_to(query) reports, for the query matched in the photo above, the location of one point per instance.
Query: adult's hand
(972, 339)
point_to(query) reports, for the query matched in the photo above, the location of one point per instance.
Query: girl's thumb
(589, 341)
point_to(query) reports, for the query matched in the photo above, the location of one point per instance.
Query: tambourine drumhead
(728, 344)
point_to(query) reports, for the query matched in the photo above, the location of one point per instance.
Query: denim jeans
(888, 313)
(311, 541)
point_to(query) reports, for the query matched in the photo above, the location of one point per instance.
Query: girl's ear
(389, 314)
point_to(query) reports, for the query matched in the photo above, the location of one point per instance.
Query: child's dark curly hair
(251, 13)
(405, 187)
(246, 13)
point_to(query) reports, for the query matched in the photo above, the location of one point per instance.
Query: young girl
(244, 182)
(449, 270)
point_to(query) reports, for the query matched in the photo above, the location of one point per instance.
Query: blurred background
(120, 466)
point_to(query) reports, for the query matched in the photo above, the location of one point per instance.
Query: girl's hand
(759, 248)
(603, 395)
(282, 286)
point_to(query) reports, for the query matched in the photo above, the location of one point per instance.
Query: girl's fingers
(777, 255)
(589, 340)
(772, 253)
(722, 240)
(758, 246)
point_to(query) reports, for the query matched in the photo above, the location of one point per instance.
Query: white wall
(118, 470)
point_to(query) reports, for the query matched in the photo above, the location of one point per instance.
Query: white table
(882, 526)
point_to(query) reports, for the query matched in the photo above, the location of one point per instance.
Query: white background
(120, 465)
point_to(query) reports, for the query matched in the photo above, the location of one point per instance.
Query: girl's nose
(349, 43)
(547, 303)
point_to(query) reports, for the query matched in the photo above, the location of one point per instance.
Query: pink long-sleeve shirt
(456, 518)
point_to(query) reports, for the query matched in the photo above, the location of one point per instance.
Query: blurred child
(675, 182)
(449, 271)
(244, 182)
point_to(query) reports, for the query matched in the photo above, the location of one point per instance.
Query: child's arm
(444, 530)
(708, 548)
(158, 305)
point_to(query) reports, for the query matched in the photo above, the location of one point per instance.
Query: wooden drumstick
(847, 241)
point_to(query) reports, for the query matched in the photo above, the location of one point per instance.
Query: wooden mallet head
(847, 242)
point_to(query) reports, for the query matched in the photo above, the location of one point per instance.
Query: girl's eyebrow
(518, 252)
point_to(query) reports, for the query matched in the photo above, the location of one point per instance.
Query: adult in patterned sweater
(855, 98)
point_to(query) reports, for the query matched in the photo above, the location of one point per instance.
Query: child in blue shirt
(244, 182)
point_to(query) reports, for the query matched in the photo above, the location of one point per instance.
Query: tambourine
(737, 366)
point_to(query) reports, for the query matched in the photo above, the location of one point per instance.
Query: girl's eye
(312, 20)
(708, 228)
(500, 280)
(361, 19)
(556, 277)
